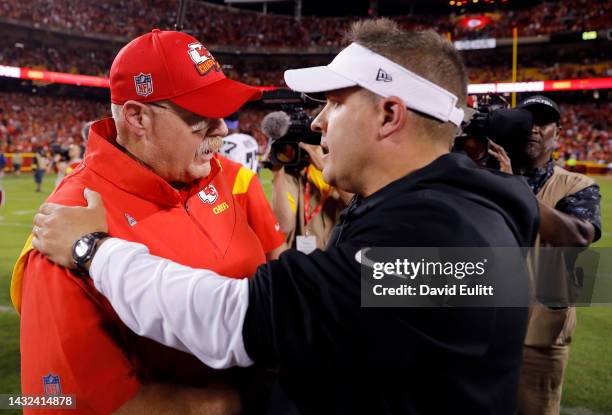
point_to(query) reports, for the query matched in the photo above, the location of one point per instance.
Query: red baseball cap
(169, 65)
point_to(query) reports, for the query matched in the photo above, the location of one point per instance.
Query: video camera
(287, 128)
(510, 128)
(285, 150)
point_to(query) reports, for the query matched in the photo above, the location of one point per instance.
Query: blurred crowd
(36, 56)
(221, 25)
(480, 74)
(29, 122)
(487, 73)
(115, 17)
(585, 133)
(97, 62)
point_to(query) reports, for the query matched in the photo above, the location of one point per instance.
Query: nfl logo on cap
(52, 385)
(144, 84)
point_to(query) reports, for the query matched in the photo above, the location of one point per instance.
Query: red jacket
(70, 331)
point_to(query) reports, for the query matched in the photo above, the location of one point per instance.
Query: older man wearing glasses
(154, 161)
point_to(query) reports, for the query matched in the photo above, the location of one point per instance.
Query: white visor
(357, 65)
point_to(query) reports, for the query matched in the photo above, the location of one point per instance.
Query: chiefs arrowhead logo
(202, 58)
(209, 194)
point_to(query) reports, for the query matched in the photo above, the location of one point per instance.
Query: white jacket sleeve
(193, 310)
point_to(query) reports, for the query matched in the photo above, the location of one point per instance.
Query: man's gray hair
(116, 112)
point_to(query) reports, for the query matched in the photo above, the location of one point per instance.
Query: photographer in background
(570, 217)
(306, 206)
(43, 163)
(17, 161)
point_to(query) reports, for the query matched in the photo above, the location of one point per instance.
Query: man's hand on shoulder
(57, 227)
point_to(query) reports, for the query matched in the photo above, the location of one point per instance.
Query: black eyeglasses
(194, 121)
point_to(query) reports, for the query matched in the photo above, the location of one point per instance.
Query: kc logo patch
(202, 58)
(144, 84)
(52, 385)
(209, 194)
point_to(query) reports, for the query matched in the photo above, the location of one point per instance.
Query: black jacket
(331, 356)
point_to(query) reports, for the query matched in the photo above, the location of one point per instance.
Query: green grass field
(588, 384)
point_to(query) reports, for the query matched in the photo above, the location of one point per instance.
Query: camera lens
(286, 153)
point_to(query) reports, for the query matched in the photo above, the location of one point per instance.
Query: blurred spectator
(17, 162)
(42, 164)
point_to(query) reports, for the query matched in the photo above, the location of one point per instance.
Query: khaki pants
(545, 356)
(541, 379)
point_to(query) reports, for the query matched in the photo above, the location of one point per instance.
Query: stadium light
(542, 86)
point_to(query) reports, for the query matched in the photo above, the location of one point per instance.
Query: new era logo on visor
(144, 84)
(383, 76)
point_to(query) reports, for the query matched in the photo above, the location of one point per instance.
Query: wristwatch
(84, 249)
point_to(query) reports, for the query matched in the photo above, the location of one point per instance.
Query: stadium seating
(30, 120)
(53, 119)
(97, 62)
(225, 26)
(585, 132)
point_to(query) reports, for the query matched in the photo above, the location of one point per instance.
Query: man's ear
(137, 117)
(394, 114)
